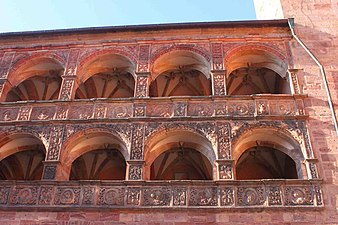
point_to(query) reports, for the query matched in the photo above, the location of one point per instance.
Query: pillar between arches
(311, 168)
(218, 82)
(135, 170)
(225, 169)
(142, 85)
(49, 170)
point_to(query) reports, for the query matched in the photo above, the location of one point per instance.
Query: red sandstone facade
(219, 123)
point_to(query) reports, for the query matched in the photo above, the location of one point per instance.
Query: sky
(28, 15)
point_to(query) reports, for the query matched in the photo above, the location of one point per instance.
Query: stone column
(142, 85)
(293, 79)
(218, 82)
(225, 169)
(5, 65)
(69, 76)
(135, 170)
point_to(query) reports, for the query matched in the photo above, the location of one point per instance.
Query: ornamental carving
(318, 193)
(89, 195)
(144, 55)
(299, 195)
(111, 196)
(227, 196)
(139, 110)
(67, 196)
(199, 109)
(46, 195)
(83, 112)
(141, 86)
(24, 113)
(159, 110)
(43, 113)
(9, 114)
(4, 194)
(203, 196)
(61, 112)
(274, 195)
(24, 196)
(225, 171)
(219, 84)
(180, 196)
(180, 109)
(120, 111)
(224, 140)
(100, 111)
(217, 56)
(157, 196)
(282, 108)
(133, 196)
(67, 86)
(135, 172)
(137, 142)
(55, 143)
(248, 196)
(49, 172)
(262, 106)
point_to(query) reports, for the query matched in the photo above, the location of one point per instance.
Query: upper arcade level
(242, 69)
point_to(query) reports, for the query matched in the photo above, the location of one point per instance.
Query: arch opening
(256, 72)
(265, 163)
(179, 155)
(38, 80)
(101, 164)
(22, 157)
(107, 76)
(180, 73)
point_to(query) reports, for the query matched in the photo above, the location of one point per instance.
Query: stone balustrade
(160, 194)
(246, 107)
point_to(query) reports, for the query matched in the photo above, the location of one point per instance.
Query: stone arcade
(216, 122)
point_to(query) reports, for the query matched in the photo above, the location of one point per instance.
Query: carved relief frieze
(179, 196)
(46, 195)
(89, 195)
(180, 109)
(83, 112)
(120, 111)
(156, 196)
(274, 195)
(4, 194)
(159, 110)
(67, 196)
(249, 196)
(24, 113)
(227, 196)
(100, 111)
(61, 112)
(203, 196)
(43, 113)
(303, 195)
(134, 196)
(24, 195)
(200, 109)
(282, 107)
(140, 109)
(55, 143)
(9, 114)
(111, 196)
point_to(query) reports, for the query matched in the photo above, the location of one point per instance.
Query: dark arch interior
(40, 87)
(103, 164)
(265, 163)
(181, 164)
(256, 80)
(25, 165)
(115, 84)
(180, 82)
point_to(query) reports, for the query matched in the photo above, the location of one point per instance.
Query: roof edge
(155, 27)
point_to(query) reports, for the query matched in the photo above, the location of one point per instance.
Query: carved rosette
(111, 196)
(156, 196)
(203, 196)
(24, 196)
(299, 195)
(227, 196)
(250, 196)
(67, 196)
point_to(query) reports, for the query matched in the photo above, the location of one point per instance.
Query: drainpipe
(322, 72)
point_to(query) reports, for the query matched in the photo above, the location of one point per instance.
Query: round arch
(35, 78)
(273, 139)
(86, 141)
(163, 141)
(103, 71)
(21, 156)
